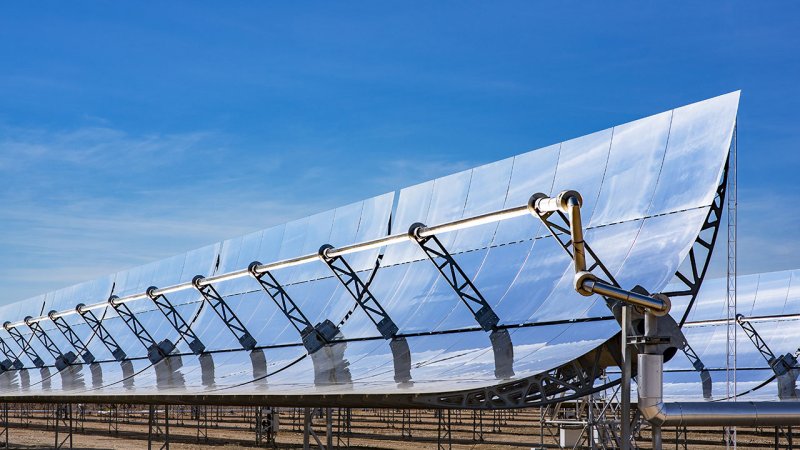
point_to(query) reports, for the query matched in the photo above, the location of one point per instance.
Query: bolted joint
(323, 252)
(533, 201)
(252, 269)
(583, 283)
(151, 292)
(568, 199)
(667, 305)
(414, 231)
(541, 203)
(196, 282)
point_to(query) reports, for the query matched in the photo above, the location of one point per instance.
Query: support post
(625, 385)
(63, 426)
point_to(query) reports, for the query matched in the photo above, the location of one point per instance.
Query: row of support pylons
(585, 423)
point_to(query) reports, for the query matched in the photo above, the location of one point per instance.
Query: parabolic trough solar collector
(647, 187)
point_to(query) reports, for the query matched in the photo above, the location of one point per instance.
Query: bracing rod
(447, 227)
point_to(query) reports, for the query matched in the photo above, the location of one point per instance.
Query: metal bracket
(72, 337)
(225, 313)
(11, 358)
(155, 351)
(779, 365)
(314, 336)
(176, 320)
(25, 346)
(648, 340)
(101, 332)
(456, 278)
(360, 292)
(62, 360)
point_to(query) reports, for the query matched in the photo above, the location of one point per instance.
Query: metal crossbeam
(62, 360)
(102, 333)
(72, 337)
(225, 313)
(314, 336)
(456, 278)
(24, 346)
(780, 365)
(176, 320)
(11, 358)
(155, 352)
(360, 292)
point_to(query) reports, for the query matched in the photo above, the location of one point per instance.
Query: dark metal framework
(456, 278)
(155, 352)
(218, 304)
(700, 253)
(779, 365)
(102, 333)
(25, 346)
(11, 358)
(360, 292)
(62, 360)
(176, 320)
(72, 337)
(63, 426)
(314, 337)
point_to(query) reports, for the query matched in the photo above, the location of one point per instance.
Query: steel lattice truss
(365, 306)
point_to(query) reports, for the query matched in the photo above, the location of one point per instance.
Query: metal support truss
(360, 292)
(72, 337)
(4, 429)
(785, 367)
(705, 375)
(101, 332)
(176, 320)
(444, 430)
(455, 277)
(11, 358)
(314, 336)
(218, 304)
(63, 426)
(62, 360)
(700, 253)
(24, 346)
(155, 351)
(155, 430)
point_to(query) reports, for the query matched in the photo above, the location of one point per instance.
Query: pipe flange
(252, 268)
(414, 229)
(151, 292)
(563, 199)
(533, 200)
(79, 308)
(667, 305)
(323, 252)
(580, 279)
(196, 282)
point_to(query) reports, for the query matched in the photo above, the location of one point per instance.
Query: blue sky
(131, 131)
